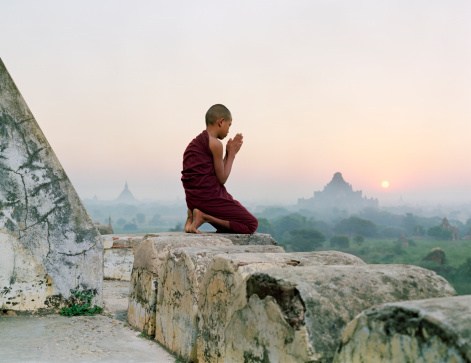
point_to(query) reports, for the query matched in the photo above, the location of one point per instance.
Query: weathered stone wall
(207, 300)
(119, 256)
(178, 294)
(297, 314)
(433, 330)
(223, 291)
(251, 239)
(119, 250)
(48, 244)
(149, 261)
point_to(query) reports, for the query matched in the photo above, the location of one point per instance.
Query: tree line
(377, 237)
(299, 231)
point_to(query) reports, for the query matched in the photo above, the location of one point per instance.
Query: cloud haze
(378, 90)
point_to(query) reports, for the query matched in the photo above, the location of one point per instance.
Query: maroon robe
(204, 191)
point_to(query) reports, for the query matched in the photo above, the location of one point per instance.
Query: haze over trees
(376, 234)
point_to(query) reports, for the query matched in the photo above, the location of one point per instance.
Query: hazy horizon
(377, 90)
(384, 202)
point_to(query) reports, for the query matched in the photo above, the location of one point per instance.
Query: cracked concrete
(99, 338)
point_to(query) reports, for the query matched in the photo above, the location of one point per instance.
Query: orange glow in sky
(370, 89)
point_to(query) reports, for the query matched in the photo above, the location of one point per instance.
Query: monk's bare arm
(223, 166)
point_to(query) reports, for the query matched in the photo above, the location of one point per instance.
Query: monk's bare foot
(198, 220)
(189, 221)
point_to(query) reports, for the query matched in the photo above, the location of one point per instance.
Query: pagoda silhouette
(338, 195)
(126, 197)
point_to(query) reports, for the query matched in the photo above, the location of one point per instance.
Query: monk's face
(224, 128)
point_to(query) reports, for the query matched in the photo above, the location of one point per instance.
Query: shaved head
(217, 112)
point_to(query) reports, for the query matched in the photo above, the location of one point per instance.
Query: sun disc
(385, 184)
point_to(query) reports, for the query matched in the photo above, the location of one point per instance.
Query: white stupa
(126, 197)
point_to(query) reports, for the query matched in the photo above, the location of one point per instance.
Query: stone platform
(432, 330)
(210, 298)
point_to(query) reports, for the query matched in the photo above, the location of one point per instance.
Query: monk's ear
(219, 121)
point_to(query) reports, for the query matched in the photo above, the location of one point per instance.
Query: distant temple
(338, 195)
(126, 197)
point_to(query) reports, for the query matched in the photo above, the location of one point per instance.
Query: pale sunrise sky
(378, 90)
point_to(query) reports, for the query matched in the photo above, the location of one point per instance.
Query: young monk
(205, 171)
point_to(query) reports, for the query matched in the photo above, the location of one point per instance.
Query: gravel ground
(99, 338)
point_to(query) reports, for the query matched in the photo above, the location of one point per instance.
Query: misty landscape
(338, 217)
(341, 129)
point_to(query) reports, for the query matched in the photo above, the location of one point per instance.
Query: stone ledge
(179, 292)
(298, 314)
(223, 291)
(118, 265)
(149, 262)
(432, 330)
(206, 301)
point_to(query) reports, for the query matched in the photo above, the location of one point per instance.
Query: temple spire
(126, 196)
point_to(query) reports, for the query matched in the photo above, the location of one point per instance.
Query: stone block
(178, 293)
(223, 291)
(421, 331)
(119, 256)
(49, 245)
(127, 241)
(298, 314)
(251, 239)
(118, 263)
(107, 241)
(142, 300)
(149, 261)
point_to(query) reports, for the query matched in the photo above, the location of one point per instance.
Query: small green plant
(80, 303)
(144, 335)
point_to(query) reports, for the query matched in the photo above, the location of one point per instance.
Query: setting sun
(385, 184)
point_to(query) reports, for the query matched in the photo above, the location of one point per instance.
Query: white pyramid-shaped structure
(48, 243)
